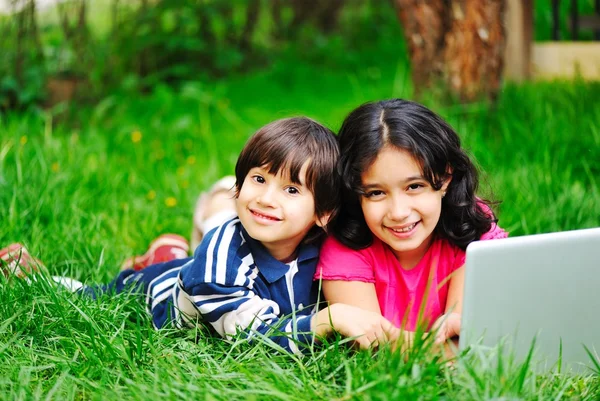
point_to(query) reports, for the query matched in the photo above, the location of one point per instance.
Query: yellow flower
(185, 184)
(180, 171)
(151, 194)
(170, 201)
(191, 160)
(159, 154)
(23, 140)
(136, 136)
(54, 167)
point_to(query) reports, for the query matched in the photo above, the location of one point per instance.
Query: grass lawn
(83, 197)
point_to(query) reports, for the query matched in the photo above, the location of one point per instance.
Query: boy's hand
(447, 326)
(369, 329)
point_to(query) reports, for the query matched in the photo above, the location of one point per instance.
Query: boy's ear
(323, 220)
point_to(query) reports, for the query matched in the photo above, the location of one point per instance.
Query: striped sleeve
(219, 288)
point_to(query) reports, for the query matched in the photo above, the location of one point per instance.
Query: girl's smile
(401, 208)
(404, 231)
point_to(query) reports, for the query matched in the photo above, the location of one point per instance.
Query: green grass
(84, 196)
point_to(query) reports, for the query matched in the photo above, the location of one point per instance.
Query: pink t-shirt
(400, 292)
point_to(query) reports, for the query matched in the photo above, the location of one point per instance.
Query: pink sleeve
(338, 262)
(495, 232)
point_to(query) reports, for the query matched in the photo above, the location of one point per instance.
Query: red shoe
(16, 260)
(163, 249)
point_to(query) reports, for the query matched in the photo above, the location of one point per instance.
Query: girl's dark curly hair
(434, 145)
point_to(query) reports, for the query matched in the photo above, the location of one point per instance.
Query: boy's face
(276, 211)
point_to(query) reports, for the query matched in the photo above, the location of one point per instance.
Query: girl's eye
(259, 179)
(292, 190)
(415, 186)
(374, 194)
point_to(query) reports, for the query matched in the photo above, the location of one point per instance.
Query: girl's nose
(399, 208)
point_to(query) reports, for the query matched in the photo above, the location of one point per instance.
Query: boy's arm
(220, 287)
(230, 309)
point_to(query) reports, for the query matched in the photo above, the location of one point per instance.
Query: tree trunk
(424, 27)
(460, 42)
(277, 21)
(252, 13)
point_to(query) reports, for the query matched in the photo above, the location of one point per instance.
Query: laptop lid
(544, 286)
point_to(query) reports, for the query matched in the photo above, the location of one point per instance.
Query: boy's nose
(267, 197)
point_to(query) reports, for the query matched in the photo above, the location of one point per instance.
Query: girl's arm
(358, 312)
(448, 325)
(355, 293)
(456, 291)
(368, 329)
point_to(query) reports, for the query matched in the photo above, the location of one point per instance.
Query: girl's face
(400, 206)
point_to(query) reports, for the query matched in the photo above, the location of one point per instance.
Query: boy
(254, 272)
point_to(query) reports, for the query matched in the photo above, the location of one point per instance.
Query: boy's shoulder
(229, 235)
(222, 257)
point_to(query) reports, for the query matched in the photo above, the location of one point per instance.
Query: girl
(409, 210)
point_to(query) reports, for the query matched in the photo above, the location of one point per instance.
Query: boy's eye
(258, 178)
(292, 190)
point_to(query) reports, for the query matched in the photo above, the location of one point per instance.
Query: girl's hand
(369, 329)
(447, 326)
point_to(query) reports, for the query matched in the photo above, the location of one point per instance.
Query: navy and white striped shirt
(234, 283)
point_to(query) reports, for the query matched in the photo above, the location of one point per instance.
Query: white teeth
(264, 216)
(405, 229)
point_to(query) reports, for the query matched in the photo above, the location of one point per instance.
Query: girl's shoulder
(495, 232)
(447, 254)
(455, 257)
(332, 245)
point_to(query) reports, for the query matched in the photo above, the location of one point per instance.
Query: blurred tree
(75, 29)
(458, 42)
(323, 13)
(22, 70)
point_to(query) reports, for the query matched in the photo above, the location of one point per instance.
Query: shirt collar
(271, 268)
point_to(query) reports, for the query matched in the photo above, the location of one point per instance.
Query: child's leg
(213, 208)
(136, 281)
(163, 249)
(69, 283)
(16, 260)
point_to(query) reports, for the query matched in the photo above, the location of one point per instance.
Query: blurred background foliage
(85, 50)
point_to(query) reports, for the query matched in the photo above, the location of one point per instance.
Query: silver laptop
(544, 287)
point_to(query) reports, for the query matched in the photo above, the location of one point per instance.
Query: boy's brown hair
(284, 146)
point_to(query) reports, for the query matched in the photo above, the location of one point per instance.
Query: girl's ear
(447, 181)
(323, 220)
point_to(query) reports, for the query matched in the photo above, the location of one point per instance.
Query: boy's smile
(276, 211)
(263, 218)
